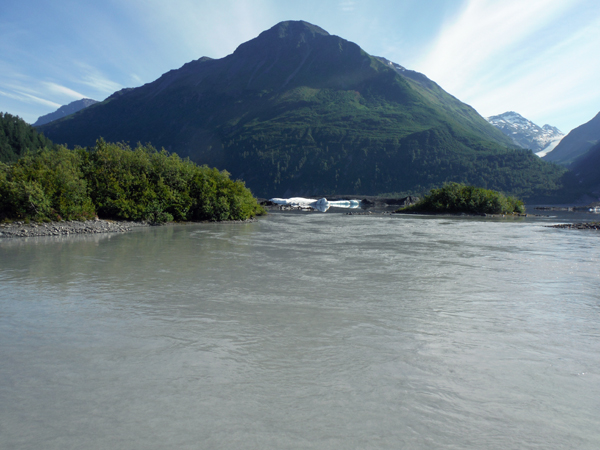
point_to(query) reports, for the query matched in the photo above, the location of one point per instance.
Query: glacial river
(303, 331)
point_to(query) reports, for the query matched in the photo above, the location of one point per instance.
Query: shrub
(458, 198)
(117, 182)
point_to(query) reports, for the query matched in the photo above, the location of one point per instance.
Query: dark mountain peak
(292, 54)
(292, 29)
(289, 33)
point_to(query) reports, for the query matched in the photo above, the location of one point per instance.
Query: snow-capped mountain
(527, 134)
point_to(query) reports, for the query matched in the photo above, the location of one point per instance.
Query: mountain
(17, 137)
(64, 111)
(576, 143)
(298, 111)
(526, 134)
(586, 169)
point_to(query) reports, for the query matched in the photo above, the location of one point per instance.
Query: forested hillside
(17, 137)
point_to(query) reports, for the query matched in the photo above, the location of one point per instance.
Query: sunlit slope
(298, 111)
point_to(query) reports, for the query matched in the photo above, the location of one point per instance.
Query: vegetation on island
(117, 182)
(459, 198)
(17, 138)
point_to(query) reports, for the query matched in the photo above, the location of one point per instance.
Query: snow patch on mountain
(526, 134)
(551, 146)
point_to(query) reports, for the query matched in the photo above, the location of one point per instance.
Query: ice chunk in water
(321, 204)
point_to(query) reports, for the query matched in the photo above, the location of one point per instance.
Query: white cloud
(192, 29)
(535, 57)
(29, 98)
(347, 6)
(62, 90)
(136, 79)
(95, 79)
(484, 30)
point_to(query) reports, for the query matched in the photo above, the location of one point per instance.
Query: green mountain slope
(17, 137)
(298, 111)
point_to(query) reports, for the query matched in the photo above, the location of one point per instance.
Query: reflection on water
(303, 331)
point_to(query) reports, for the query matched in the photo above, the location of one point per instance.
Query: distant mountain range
(526, 134)
(577, 143)
(64, 111)
(298, 111)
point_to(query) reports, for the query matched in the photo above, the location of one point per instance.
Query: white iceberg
(321, 205)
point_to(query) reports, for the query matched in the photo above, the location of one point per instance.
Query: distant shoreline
(459, 214)
(577, 226)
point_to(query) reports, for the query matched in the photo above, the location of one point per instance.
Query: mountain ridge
(577, 143)
(299, 111)
(64, 111)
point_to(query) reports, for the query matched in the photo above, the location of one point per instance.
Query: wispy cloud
(484, 30)
(517, 55)
(92, 77)
(347, 6)
(62, 90)
(136, 78)
(29, 98)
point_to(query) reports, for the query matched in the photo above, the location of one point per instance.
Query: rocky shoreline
(22, 229)
(75, 227)
(462, 214)
(578, 226)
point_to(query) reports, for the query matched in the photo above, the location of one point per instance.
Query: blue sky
(536, 57)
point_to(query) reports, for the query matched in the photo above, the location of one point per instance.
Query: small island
(456, 198)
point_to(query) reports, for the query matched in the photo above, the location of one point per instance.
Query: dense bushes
(458, 198)
(113, 181)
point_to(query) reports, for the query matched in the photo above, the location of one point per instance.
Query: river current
(303, 331)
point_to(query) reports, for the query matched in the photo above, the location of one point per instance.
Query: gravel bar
(22, 229)
(578, 226)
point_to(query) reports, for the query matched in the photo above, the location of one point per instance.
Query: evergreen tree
(17, 138)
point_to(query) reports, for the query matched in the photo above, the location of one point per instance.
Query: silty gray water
(303, 331)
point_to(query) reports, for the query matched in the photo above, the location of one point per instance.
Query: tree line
(114, 181)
